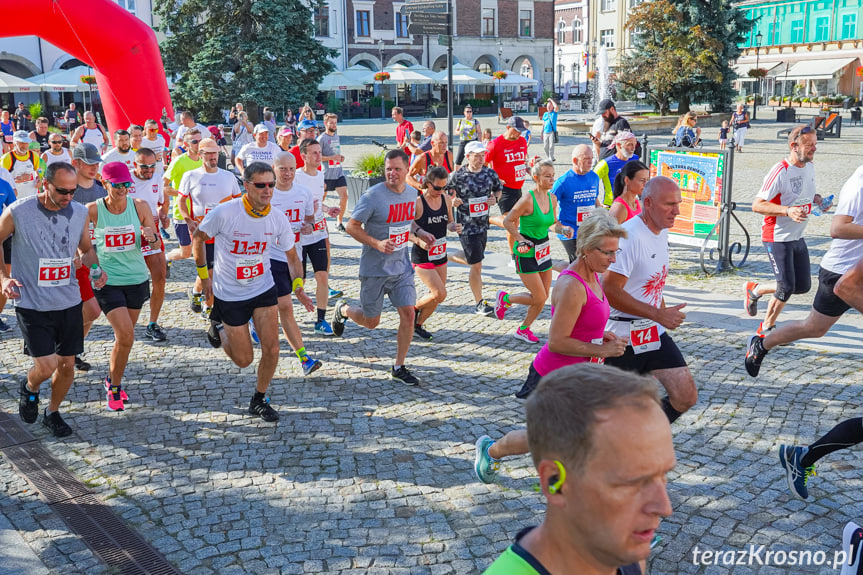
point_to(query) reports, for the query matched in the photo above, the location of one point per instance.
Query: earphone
(556, 481)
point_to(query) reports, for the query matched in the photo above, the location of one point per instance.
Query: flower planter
(357, 187)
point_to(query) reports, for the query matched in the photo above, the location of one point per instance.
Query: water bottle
(95, 274)
(826, 203)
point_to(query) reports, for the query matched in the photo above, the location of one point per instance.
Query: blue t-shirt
(615, 164)
(7, 195)
(549, 122)
(574, 192)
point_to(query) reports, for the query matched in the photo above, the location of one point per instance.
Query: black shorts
(529, 384)
(282, 276)
(473, 246)
(668, 356)
(340, 182)
(317, 252)
(570, 246)
(826, 302)
(130, 297)
(527, 264)
(508, 198)
(790, 261)
(49, 332)
(237, 313)
(7, 250)
(182, 231)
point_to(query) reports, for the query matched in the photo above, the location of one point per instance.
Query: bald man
(577, 194)
(437, 156)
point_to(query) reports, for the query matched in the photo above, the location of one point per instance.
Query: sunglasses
(146, 166)
(56, 141)
(63, 191)
(438, 188)
(610, 254)
(121, 184)
(195, 141)
(263, 185)
(152, 129)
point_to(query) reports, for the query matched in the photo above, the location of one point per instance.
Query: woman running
(121, 225)
(628, 185)
(579, 311)
(528, 223)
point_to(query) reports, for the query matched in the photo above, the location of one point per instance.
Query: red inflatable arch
(120, 47)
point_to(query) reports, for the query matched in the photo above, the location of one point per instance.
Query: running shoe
(852, 540)
(81, 365)
(420, 331)
(795, 473)
(213, 334)
(261, 408)
(155, 332)
(484, 465)
(338, 321)
(755, 353)
(482, 308)
(56, 424)
(334, 293)
(194, 301)
(750, 298)
(526, 335)
(4, 327)
(500, 306)
(168, 270)
(205, 313)
(28, 404)
(323, 328)
(341, 228)
(115, 402)
(310, 365)
(252, 331)
(122, 393)
(166, 235)
(764, 332)
(403, 375)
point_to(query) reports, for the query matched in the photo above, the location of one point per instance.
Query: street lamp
(381, 52)
(500, 67)
(758, 38)
(560, 69)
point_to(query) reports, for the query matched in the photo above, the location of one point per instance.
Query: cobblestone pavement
(365, 475)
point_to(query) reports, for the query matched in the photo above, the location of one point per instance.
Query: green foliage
(369, 166)
(35, 110)
(259, 52)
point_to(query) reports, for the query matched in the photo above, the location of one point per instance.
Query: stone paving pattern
(365, 475)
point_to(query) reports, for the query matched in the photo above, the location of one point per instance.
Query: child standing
(723, 135)
(486, 137)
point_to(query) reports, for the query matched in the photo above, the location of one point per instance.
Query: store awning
(818, 69)
(742, 69)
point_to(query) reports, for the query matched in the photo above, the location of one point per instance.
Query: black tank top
(446, 164)
(434, 222)
(43, 141)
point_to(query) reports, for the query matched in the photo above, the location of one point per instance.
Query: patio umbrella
(462, 74)
(513, 79)
(338, 80)
(10, 83)
(62, 80)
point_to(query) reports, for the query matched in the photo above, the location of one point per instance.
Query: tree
(682, 51)
(259, 52)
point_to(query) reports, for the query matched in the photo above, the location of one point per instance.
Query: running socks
(322, 314)
(259, 396)
(301, 353)
(671, 413)
(846, 434)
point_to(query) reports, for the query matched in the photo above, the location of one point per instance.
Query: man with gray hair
(634, 286)
(577, 193)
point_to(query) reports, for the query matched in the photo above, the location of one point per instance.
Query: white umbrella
(62, 80)
(462, 74)
(513, 79)
(400, 74)
(10, 83)
(338, 80)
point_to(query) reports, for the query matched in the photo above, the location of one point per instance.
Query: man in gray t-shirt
(332, 158)
(382, 221)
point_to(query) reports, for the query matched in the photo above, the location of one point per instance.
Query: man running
(785, 201)
(50, 231)
(153, 140)
(191, 160)
(56, 152)
(91, 132)
(41, 134)
(259, 150)
(624, 145)
(507, 155)
(577, 193)
(24, 164)
(242, 284)
(73, 119)
(382, 221)
(306, 130)
(634, 287)
(439, 155)
(122, 151)
(334, 177)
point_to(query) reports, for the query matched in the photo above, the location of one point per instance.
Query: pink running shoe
(526, 335)
(116, 397)
(500, 306)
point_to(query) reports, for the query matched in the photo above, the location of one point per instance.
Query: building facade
(571, 45)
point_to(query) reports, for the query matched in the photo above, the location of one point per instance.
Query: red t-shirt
(295, 150)
(508, 158)
(403, 132)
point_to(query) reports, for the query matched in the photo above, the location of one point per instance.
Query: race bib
(597, 341)
(543, 252)
(146, 250)
(8, 139)
(209, 207)
(296, 237)
(582, 212)
(807, 208)
(92, 232)
(520, 172)
(399, 235)
(338, 152)
(644, 336)
(54, 272)
(438, 250)
(478, 206)
(321, 225)
(249, 269)
(119, 239)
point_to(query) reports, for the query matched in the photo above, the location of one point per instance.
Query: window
(822, 28)
(606, 38)
(608, 5)
(401, 25)
(773, 34)
(634, 3)
(797, 32)
(128, 5)
(485, 68)
(488, 22)
(524, 23)
(634, 35)
(322, 21)
(526, 69)
(849, 26)
(576, 31)
(561, 33)
(363, 19)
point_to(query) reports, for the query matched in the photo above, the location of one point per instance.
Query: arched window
(576, 31)
(526, 69)
(485, 68)
(561, 33)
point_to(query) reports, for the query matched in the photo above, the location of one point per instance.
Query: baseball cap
(208, 145)
(605, 104)
(516, 122)
(306, 125)
(87, 153)
(21, 136)
(474, 148)
(116, 173)
(286, 132)
(261, 128)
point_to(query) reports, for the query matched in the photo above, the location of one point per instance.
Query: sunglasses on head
(63, 191)
(263, 185)
(121, 184)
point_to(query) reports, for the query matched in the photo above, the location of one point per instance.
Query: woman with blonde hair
(687, 133)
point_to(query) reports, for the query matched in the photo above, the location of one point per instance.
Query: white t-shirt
(644, 262)
(252, 153)
(787, 185)
(158, 146)
(315, 185)
(296, 204)
(206, 190)
(181, 131)
(115, 155)
(844, 254)
(243, 245)
(7, 175)
(48, 158)
(150, 191)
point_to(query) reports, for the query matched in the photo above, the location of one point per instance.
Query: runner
(122, 152)
(507, 155)
(634, 286)
(242, 284)
(285, 139)
(298, 206)
(136, 137)
(476, 188)
(148, 188)
(57, 153)
(334, 178)
(577, 193)
(468, 130)
(45, 292)
(7, 126)
(624, 145)
(579, 312)
(201, 190)
(382, 221)
(121, 226)
(187, 162)
(73, 119)
(316, 245)
(843, 260)
(403, 129)
(529, 222)
(437, 156)
(41, 134)
(785, 201)
(260, 150)
(155, 141)
(628, 187)
(434, 215)
(306, 130)
(23, 164)
(187, 123)
(91, 132)
(7, 197)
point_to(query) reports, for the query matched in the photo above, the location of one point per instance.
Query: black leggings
(846, 434)
(790, 261)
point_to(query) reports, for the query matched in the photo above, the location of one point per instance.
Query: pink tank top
(629, 213)
(589, 327)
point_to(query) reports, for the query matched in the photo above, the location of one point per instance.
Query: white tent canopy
(462, 74)
(513, 79)
(401, 74)
(10, 83)
(63, 80)
(338, 80)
